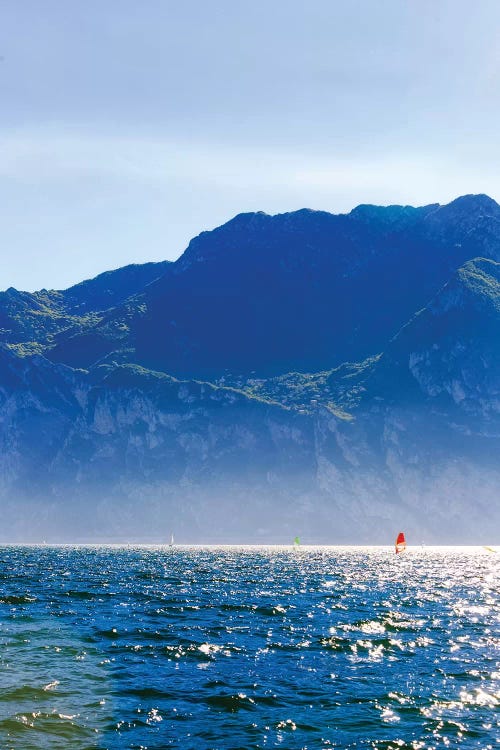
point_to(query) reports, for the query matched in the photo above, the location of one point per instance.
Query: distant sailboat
(400, 543)
(296, 542)
(171, 540)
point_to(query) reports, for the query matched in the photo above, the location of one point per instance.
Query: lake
(223, 648)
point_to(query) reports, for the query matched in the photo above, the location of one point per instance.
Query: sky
(127, 128)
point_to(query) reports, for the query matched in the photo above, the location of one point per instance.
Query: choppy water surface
(248, 648)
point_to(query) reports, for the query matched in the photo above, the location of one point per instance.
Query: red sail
(400, 542)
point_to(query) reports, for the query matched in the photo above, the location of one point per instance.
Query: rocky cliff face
(408, 437)
(127, 453)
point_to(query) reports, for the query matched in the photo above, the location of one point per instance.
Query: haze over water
(227, 648)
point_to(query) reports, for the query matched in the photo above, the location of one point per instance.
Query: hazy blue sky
(128, 127)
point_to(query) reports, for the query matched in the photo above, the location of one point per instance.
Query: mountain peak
(468, 208)
(247, 220)
(466, 217)
(474, 202)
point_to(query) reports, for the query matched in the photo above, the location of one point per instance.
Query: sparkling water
(227, 648)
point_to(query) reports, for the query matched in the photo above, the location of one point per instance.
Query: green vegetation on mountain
(33, 321)
(338, 390)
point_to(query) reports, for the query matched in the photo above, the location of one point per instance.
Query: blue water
(248, 648)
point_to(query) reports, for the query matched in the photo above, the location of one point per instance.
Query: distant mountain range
(333, 376)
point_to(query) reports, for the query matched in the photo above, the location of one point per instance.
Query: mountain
(124, 452)
(425, 427)
(449, 350)
(301, 291)
(112, 288)
(31, 320)
(187, 403)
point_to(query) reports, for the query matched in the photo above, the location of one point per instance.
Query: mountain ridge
(288, 292)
